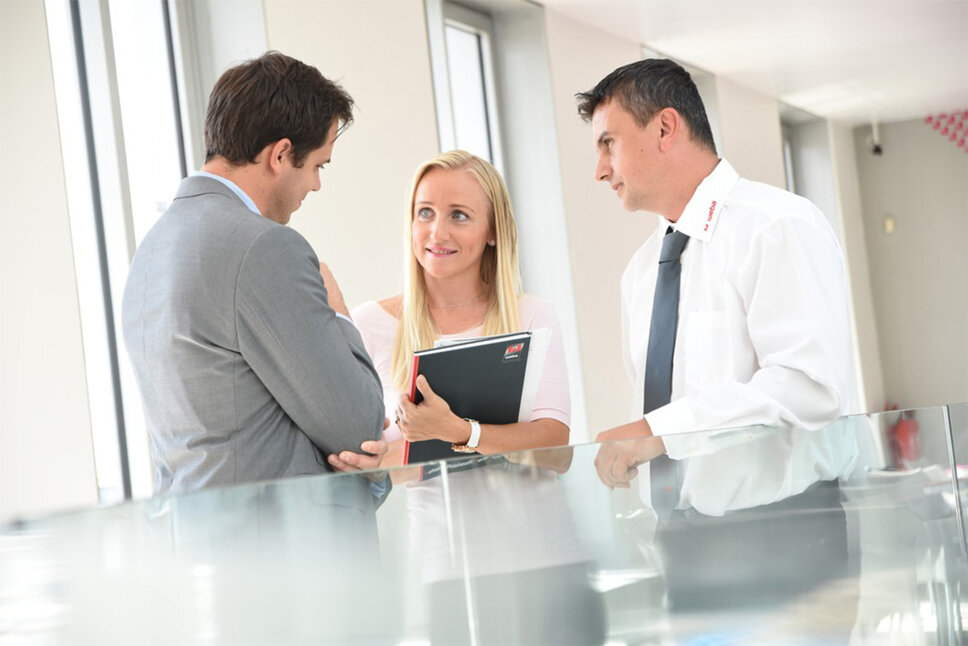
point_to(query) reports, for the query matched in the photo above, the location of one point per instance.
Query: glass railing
(957, 421)
(531, 548)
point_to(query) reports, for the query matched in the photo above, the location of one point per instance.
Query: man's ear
(670, 125)
(276, 154)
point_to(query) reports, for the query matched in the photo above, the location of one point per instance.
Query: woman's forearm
(502, 438)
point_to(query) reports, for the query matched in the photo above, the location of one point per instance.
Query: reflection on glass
(500, 556)
(528, 548)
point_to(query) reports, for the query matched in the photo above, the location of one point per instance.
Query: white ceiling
(848, 60)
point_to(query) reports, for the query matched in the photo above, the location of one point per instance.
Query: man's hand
(371, 454)
(333, 292)
(617, 461)
(432, 419)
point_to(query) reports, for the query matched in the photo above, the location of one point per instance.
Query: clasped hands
(431, 419)
(617, 461)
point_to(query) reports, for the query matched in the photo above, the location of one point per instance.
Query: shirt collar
(699, 218)
(233, 187)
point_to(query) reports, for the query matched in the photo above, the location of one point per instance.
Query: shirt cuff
(345, 318)
(670, 422)
(675, 417)
(381, 489)
(683, 437)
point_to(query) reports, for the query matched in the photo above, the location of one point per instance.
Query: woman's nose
(438, 230)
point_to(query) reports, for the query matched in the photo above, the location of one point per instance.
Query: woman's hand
(333, 293)
(432, 419)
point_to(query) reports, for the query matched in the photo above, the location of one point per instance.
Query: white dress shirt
(763, 339)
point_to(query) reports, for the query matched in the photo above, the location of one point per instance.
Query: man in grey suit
(248, 363)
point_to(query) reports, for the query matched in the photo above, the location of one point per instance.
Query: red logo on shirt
(709, 218)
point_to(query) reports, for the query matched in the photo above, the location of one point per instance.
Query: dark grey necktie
(658, 363)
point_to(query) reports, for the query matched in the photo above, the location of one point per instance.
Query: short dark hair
(270, 98)
(644, 88)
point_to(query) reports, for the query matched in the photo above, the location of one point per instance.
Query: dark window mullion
(101, 244)
(173, 79)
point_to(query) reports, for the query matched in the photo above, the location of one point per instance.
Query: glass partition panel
(778, 537)
(958, 420)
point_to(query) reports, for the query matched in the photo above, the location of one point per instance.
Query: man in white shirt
(762, 336)
(742, 289)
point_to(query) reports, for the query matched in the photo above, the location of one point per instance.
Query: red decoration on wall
(953, 125)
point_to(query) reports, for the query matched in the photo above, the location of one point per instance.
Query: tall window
(460, 41)
(120, 138)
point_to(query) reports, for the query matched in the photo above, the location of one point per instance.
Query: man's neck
(690, 173)
(247, 177)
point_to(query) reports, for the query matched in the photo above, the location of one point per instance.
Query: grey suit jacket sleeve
(312, 361)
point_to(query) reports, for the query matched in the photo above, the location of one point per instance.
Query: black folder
(491, 379)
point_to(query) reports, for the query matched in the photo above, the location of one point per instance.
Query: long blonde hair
(499, 266)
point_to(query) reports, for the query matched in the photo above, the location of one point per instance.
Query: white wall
(601, 235)
(749, 129)
(46, 455)
(378, 52)
(867, 346)
(918, 274)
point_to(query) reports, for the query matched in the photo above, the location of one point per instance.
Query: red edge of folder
(413, 393)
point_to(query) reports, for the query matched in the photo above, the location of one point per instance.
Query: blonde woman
(461, 280)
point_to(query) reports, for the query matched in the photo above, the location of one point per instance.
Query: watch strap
(473, 441)
(475, 438)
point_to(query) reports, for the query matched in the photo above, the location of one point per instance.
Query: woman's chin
(439, 270)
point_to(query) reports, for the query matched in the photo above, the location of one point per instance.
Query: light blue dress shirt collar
(233, 187)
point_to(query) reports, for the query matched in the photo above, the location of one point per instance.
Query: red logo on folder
(513, 351)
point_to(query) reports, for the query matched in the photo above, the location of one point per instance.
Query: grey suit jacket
(245, 371)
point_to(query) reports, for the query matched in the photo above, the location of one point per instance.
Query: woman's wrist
(461, 432)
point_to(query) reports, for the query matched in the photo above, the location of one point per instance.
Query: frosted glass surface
(526, 548)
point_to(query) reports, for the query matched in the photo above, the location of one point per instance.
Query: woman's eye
(460, 216)
(425, 214)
